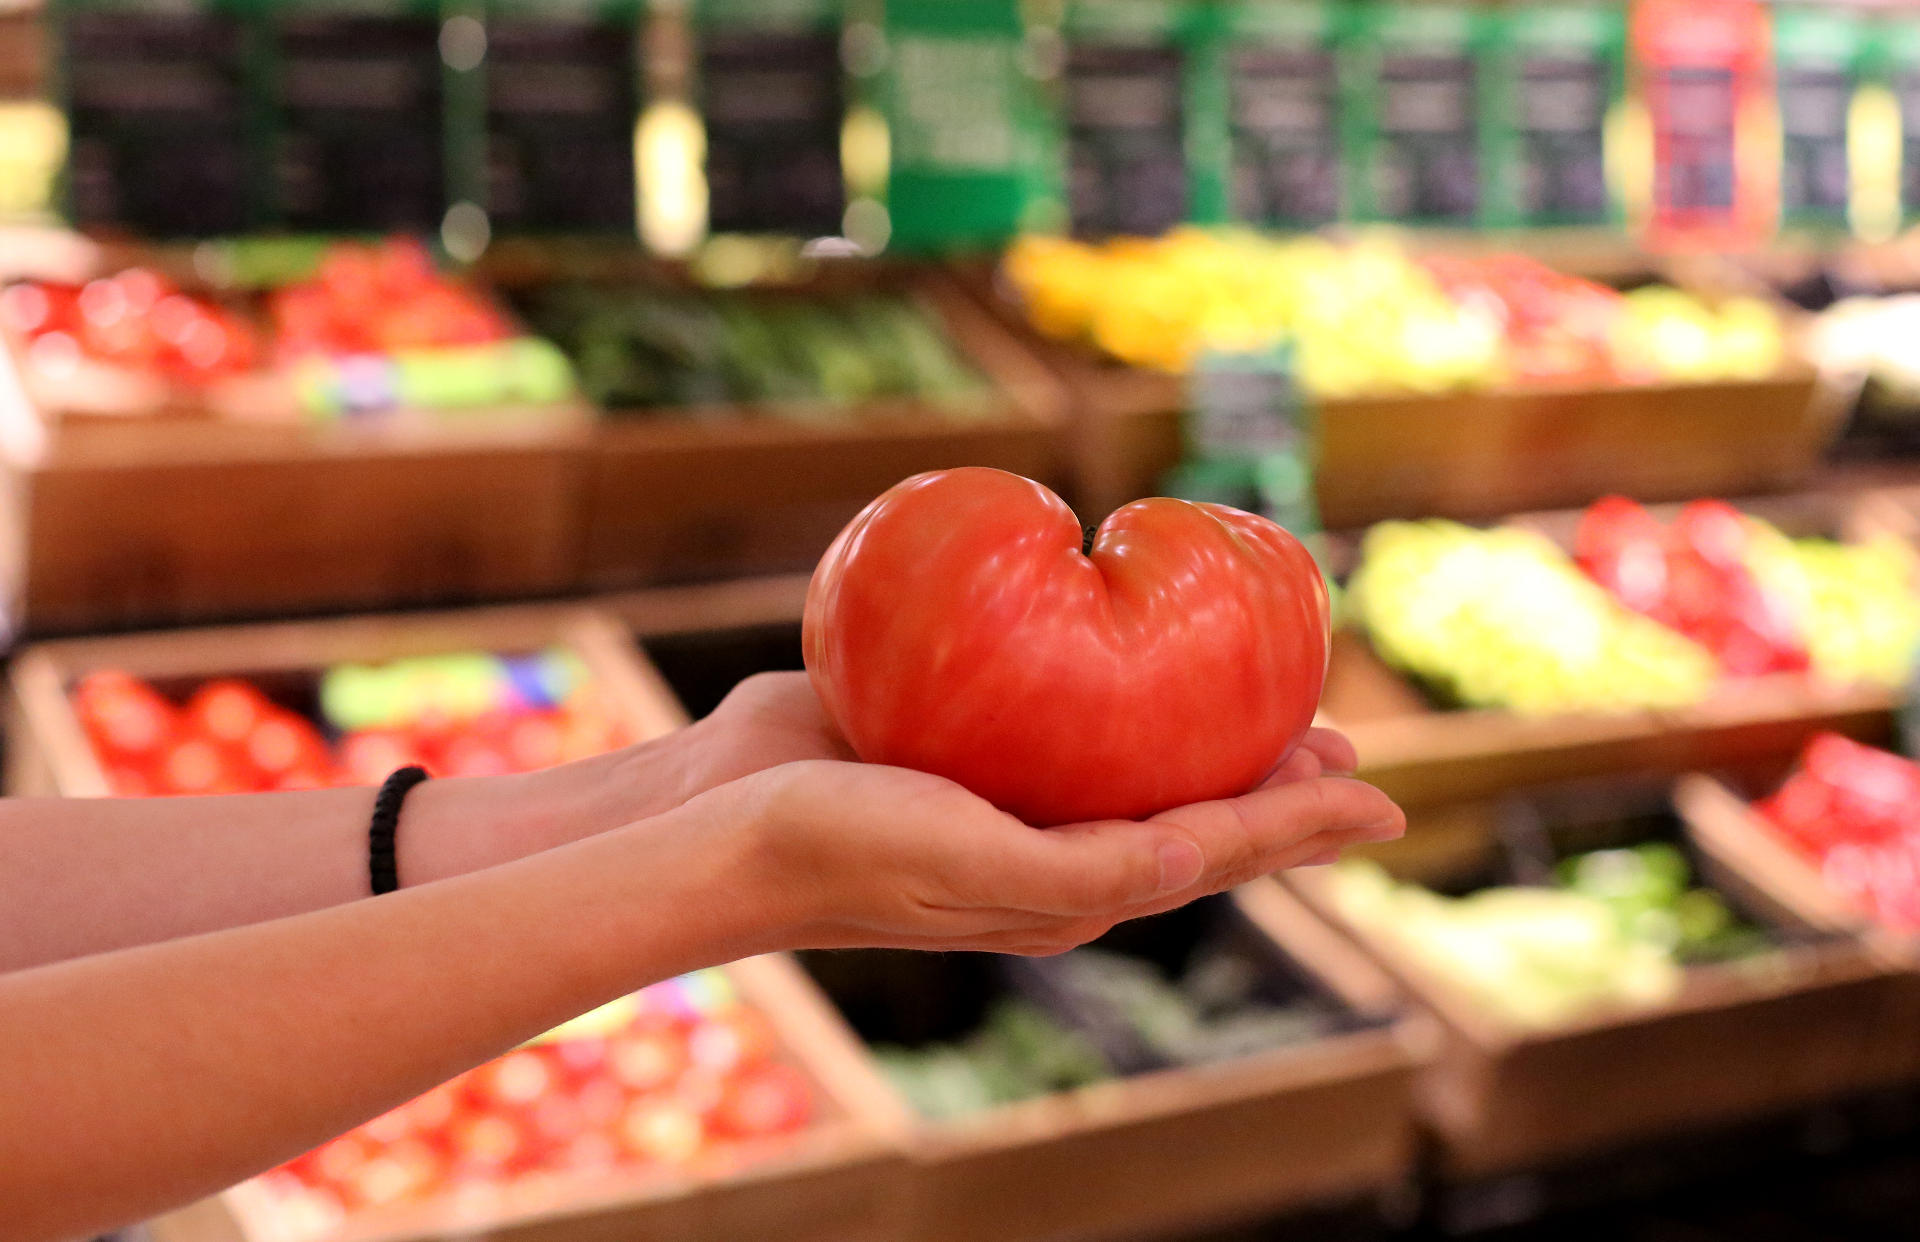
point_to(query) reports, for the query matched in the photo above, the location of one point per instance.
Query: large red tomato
(956, 627)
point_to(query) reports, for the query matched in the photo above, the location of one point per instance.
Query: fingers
(1321, 752)
(1086, 869)
(1241, 838)
(1336, 754)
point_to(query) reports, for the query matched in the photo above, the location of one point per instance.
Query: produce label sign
(1251, 439)
(1817, 54)
(1704, 71)
(155, 97)
(970, 143)
(1280, 83)
(773, 96)
(562, 96)
(1900, 50)
(1554, 75)
(359, 98)
(1124, 98)
(1411, 86)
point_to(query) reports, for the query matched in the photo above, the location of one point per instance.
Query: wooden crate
(1328, 1121)
(721, 491)
(1464, 455)
(1426, 756)
(129, 503)
(1741, 1041)
(1724, 820)
(832, 1182)
(48, 754)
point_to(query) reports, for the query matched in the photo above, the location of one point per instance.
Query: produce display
(1131, 1017)
(684, 1075)
(1020, 1052)
(963, 624)
(458, 715)
(378, 326)
(1855, 812)
(1504, 618)
(1368, 317)
(642, 348)
(1644, 614)
(1616, 927)
(135, 320)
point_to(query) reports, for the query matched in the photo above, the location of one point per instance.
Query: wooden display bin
(127, 504)
(1424, 755)
(1468, 454)
(835, 1181)
(48, 754)
(731, 490)
(1743, 1040)
(1328, 1121)
(1725, 822)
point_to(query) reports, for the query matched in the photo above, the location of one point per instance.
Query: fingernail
(1384, 830)
(1180, 865)
(1325, 858)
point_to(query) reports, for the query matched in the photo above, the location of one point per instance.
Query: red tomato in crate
(518, 1080)
(661, 1130)
(490, 1146)
(369, 756)
(197, 766)
(124, 717)
(955, 627)
(771, 1099)
(226, 712)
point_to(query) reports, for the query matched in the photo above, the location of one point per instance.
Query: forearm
(81, 876)
(143, 1078)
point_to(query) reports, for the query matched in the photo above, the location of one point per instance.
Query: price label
(1126, 116)
(1817, 54)
(1413, 95)
(1251, 439)
(154, 96)
(1282, 114)
(1556, 72)
(773, 96)
(360, 103)
(562, 96)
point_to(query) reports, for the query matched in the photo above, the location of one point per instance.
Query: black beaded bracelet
(382, 866)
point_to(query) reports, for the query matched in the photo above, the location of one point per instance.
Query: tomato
(226, 712)
(956, 627)
(125, 717)
(197, 766)
(772, 1099)
(517, 1080)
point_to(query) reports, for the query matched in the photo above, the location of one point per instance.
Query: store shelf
(831, 1182)
(48, 753)
(1742, 1040)
(1322, 1122)
(1468, 454)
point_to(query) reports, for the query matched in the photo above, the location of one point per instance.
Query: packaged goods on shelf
(1603, 977)
(1411, 77)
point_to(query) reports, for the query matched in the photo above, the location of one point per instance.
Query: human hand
(842, 855)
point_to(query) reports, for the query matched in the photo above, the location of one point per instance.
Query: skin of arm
(89, 876)
(275, 1035)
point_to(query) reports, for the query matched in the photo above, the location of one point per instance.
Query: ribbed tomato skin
(956, 627)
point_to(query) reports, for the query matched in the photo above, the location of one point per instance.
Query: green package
(1817, 64)
(1128, 114)
(773, 96)
(161, 139)
(1412, 114)
(1251, 439)
(1553, 74)
(962, 86)
(357, 92)
(555, 122)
